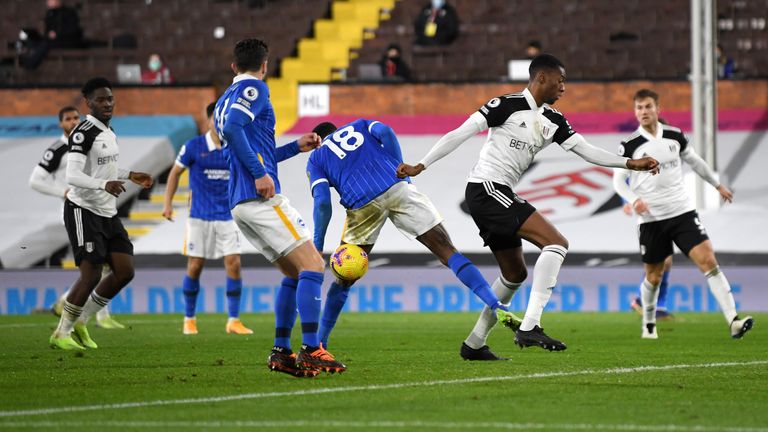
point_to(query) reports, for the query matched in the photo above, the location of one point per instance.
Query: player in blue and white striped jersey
(245, 122)
(211, 232)
(360, 161)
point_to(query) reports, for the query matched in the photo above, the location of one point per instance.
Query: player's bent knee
(515, 276)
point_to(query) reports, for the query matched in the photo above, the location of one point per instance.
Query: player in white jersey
(666, 215)
(521, 125)
(49, 178)
(90, 215)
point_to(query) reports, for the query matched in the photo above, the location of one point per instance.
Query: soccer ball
(349, 262)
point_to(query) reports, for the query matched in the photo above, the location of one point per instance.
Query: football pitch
(404, 373)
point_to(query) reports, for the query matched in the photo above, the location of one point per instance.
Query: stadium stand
(625, 44)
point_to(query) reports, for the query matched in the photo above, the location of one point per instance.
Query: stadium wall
(396, 99)
(390, 289)
(129, 101)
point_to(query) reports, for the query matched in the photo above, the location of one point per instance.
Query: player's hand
(725, 193)
(114, 187)
(66, 193)
(309, 142)
(142, 179)
(640, 206)
(265, 186)
(168, 212)
(404, 170)
(627, 209)
(644, 164)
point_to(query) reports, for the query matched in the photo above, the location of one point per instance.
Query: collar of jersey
(242, 77)
(529, 98)
(63, 138)
(209, 142)
(648, 136)
(97, 122)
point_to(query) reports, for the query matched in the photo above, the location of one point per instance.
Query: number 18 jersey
(354, 162)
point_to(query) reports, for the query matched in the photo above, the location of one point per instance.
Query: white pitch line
(375, 387)
(54, 321)
(410, 425)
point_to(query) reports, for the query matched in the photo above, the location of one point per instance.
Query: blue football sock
(234, 289)
(190, 287)
(308, 299)
(471, 277)
(334, 303)
(285, 312)
(662, 302)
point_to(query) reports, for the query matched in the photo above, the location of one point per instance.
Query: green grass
(153, 361)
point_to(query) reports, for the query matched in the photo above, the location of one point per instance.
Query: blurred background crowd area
(189, 42)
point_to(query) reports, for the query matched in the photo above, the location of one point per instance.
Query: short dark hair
(93, 84)
(535, 44)
(209, 109)
(66, 109)
(324, 129)
(250, 54)
(646, 93)
(544, 62)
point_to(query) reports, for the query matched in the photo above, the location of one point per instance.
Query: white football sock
(69, 315)
(504, 290)
(721, 289)
(544, 280)
(649, 297)
(102, 314)
(93, 305)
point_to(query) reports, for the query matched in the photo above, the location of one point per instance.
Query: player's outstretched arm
(304, 144)
(598, 156)
(170, 190)
(447, 144)
(700, 167)
(42, 181)
(321, 215)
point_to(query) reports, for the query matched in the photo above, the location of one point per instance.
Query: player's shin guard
(334, 303)
(470, 276)
(308, 300)
(504, 290)
(285, 312)
(234, 290)
(544, 279)
(721, 289)
(190, 287)
(649, 298)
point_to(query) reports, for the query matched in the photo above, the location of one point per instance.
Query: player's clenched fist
(644, 164)
(404, 170)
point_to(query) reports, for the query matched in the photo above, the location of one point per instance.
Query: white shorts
(273, 226)
(410, 210)
(211, 239)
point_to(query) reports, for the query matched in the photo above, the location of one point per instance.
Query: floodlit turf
(404, 373)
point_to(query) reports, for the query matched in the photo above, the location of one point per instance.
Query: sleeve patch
(250, 93)
(78, 138)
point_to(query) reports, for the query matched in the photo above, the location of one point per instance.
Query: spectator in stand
(436, 24)
(62, 26)
(533, 49)
(725, 65)
(393, 66)
(158, 72)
